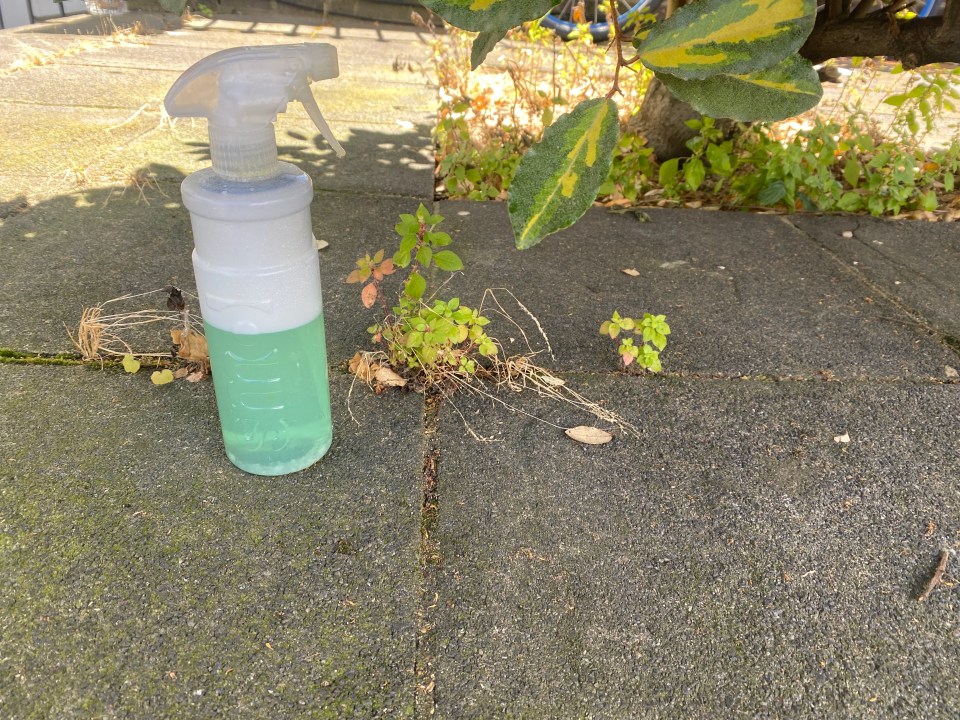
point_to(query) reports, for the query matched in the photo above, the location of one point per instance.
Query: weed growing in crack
(652, 328)
(109, 331)
(433, 337)
(441, 346)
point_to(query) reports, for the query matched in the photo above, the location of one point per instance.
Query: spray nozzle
(241, 91)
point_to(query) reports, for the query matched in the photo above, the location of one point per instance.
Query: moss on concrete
(146, 577)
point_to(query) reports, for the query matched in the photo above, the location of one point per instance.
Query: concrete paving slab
(145, 576)
(114, 87)
(744, 294)
(88, 87)
(391, 158)
(86, 25)
(21, 50)
(335, 27)
(132, 74)
(363, 56)
(916, 262)
(84, 248)
(735, 561)
(51, 149)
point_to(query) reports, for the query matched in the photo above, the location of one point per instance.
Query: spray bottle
(255, 257)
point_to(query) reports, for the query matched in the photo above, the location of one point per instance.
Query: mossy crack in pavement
(943, 336)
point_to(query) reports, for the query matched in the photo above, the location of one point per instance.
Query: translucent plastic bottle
(255, 259)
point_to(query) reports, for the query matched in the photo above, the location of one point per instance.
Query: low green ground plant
(826, 167)
(653, 331)
(826, 164)
(421, 332)
(443, 346)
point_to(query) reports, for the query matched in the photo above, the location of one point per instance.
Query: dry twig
(937, 576)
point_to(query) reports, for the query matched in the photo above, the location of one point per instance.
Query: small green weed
(929, 96)
(441, 337)
(652, 328)
(489, 118)
(824, 168)
(631, 174)
(475, 172)
(444, 346)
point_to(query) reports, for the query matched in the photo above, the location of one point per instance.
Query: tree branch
(916, 42)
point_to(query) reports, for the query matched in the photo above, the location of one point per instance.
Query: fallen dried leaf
(196, 376)
(950, 372)
(388, 378)
(354, 362)
(552, 381)
(191, 346)
(845, 438)
(588, 435)
(175, 299)
(937, 576)
(361, 366)
(181, 373)
(632, 272)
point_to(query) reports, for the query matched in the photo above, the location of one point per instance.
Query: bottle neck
(244, 154)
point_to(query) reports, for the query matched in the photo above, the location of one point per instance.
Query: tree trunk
(662, 121)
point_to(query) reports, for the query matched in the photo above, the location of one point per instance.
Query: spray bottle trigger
(313, 110)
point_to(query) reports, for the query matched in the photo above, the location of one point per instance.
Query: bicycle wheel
(931, 8)
(568, 15)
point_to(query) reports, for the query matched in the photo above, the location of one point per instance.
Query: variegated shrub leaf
(483, 44)
(787, 89)
(488, 15)
(558, 179)
(709, 37)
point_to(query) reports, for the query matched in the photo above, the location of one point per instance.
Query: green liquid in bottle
(273, 397)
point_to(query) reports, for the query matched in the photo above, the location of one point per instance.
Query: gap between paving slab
(915, 263)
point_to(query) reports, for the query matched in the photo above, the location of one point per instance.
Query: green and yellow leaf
(161, 377)
(483, 44)
(557, 180)
(130, 363)
(488, 15)
(785, 90)
(733, 37)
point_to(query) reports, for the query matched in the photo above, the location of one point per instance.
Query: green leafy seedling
(653, 329)
(421, 334)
